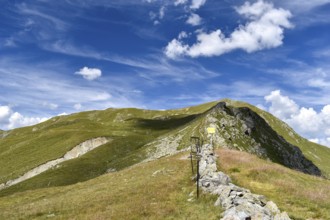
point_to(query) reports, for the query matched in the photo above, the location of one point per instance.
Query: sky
(66, 56)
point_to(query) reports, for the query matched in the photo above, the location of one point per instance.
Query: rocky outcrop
(238, 203)
(75, 152)
(243, 129)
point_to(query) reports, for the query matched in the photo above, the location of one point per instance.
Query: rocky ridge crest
(244, 130)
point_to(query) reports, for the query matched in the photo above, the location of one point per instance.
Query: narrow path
(75, 152)
(238, 203)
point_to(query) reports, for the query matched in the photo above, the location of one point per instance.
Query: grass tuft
(302, 196)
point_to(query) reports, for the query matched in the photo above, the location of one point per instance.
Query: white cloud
(4, 113)
(17, 120)
(264, 30)
(326, 114)
(100, 97)
(306, 121)
(180, 2)
(156, 17)
(302, 6)
(196, 4)
(182, 35)
(89, 73)
(10, 119)
(323, 141)
(175, 48)
(281, 106)
(51, 106)
(77, 106)
(261, 106)
(162, 12)
(194, 19)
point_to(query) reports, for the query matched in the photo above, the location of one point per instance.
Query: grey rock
(272, 207)
(239, 203)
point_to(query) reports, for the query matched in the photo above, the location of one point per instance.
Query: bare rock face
(239, 203)
(77, 151)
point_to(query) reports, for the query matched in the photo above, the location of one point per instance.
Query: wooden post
(191, 161)
(197, 176)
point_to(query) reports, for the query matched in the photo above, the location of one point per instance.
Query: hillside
(130, 130)
(140, 135)
(162, 189)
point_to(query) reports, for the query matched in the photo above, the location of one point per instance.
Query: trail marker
(210, 130)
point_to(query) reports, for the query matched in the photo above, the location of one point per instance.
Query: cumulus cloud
(196, 4)
(308, 122)
(175, 48)
(4, 113)
(10, 119)
(17, 120)
(194, 19)
(264, 30)
(89, 73)
(281, 106)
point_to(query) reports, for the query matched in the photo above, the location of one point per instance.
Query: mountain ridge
(141, 134)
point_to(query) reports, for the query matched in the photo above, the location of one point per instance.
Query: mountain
(97, 145)
(136, 135)
(162, 189)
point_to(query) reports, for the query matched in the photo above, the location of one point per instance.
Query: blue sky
(66, 56)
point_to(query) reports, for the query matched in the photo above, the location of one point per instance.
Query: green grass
(81, 189)
(302, 196)
(134, 134)
(130, 129)
(154, 190)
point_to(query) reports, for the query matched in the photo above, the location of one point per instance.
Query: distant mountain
(135, 135)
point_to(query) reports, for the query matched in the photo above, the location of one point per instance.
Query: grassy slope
(302, 196)
(318, 154)
(160, 189)
(124, 195)
(131, 129)
(155, 190)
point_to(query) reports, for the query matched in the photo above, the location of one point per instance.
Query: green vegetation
(130, 130)
(135, 134)
(87, 187)
(155, 190)
(302, 196)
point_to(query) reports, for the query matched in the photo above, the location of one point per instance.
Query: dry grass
(302, 196)
(155, 190)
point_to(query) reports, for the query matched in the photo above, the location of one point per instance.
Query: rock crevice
(238, 203)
